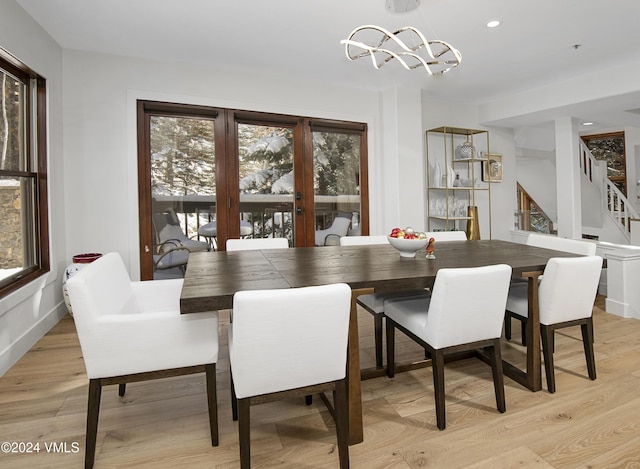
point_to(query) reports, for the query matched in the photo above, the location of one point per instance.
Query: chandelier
(406, 45)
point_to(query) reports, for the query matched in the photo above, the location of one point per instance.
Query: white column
(403, 166)
(568, 178)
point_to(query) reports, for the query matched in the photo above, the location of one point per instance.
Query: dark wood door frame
(227, 169)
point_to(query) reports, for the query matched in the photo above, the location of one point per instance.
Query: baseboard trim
(620, 309)
(15, 351)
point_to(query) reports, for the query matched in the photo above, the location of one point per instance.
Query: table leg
(353, 372)
(534, 376)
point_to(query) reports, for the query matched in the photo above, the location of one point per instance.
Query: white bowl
(408, 247)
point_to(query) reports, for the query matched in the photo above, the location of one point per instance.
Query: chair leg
(507, 326)
(308, 399)
(391, 349)
(243, 433)
(93, 411)
(122, 388)
(378, 328)
(546, 333)
(234, 400)
(587, 342)
(437, 363)
(523, 327)
(498, 378)
(341, 415)
(212, 401)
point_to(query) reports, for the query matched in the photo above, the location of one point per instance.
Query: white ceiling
(533, 47)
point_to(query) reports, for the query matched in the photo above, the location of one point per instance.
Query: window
(610, 148)
(23, 177)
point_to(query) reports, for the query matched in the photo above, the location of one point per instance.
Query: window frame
(36, 169)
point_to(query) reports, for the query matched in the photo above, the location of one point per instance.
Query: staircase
(614, 202)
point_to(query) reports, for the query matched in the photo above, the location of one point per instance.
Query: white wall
(29, 313)
(403, 161)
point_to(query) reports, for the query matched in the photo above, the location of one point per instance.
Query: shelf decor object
(465, 150)
(473, 229)
(382, 46)
(492, 168)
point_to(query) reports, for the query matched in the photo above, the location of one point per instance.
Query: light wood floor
(161, 424)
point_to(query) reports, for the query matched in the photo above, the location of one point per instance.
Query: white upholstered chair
(289, 342)
(171, 259)
(566, 295)
(456, 235)
(332, 235)
(464, 312)
(575, 246)
(250, 244)
(169, 234)
(171, 246)
(374, 302)
(133, 331)
(363, 240)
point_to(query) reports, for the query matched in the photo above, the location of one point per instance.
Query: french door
(219, 173)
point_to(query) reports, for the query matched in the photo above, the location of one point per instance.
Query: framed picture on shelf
(492, 167)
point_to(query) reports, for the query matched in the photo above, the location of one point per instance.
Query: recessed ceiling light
(493, 23)
(587, 123)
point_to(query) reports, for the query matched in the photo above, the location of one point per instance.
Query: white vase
(80, 261)
(437, 175)
(450, 176)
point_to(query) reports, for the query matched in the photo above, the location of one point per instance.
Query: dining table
(212, 278)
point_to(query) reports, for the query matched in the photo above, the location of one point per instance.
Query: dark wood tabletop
(213, 277)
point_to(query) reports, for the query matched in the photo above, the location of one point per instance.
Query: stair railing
(615, 202)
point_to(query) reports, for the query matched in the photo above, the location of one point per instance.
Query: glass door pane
(336, 158)
(183, 184)
(266, 181)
